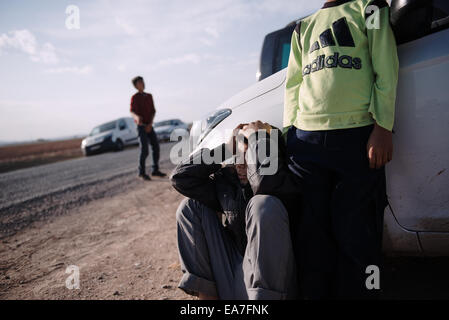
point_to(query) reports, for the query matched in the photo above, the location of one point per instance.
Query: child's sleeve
(384, 57)
(293, 82)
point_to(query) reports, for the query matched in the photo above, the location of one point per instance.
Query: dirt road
(124, 246)
(35, 193)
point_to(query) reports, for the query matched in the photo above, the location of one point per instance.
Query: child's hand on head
(231, 144)
(252, 127)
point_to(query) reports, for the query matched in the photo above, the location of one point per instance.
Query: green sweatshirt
(342, 71)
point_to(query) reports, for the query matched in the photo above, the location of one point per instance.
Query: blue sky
(57, 82)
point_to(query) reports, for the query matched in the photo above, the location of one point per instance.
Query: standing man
(338, 115)
(143, 111)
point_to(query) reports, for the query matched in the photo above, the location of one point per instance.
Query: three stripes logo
(344, 38)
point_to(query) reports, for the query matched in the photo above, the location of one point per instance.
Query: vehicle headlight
(211, 121)
(83, 143)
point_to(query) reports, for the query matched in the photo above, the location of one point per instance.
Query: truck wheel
(119, 145)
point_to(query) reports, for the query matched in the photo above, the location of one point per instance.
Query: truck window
(122, 124)
(282, 51)
(275, 52)
(285, 55)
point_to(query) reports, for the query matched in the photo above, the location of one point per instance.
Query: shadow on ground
(416, 278)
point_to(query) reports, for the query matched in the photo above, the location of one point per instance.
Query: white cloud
(75, 70)
(212, 35)
(213, 32)
(24, 41)
(121, 67)
(126, 27)
(206, 42)
(187, 58)
(47, 54)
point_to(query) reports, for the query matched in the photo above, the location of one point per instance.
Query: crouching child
(250, 255)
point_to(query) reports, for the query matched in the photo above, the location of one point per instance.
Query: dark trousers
(144, 139)
(342, 212)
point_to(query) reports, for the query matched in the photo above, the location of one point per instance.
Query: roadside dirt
(124, 246)
(28, 155)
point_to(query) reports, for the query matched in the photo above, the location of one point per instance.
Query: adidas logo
(344, 38)
(342, 34)
(332, 61)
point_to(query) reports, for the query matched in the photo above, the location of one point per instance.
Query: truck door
(418, 177)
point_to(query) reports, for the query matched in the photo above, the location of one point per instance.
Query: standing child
(143, 111)
(338, 116)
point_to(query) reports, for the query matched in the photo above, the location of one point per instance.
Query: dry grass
(29, 155)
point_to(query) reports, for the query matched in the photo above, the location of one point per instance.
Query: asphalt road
(31, 194)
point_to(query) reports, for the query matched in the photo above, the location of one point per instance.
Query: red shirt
(142, 104)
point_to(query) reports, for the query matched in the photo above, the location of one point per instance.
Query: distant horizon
(68, 137)
(19, 142)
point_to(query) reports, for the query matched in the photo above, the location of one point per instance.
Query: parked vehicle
(114, 135)
(417, 218)
(165, 128)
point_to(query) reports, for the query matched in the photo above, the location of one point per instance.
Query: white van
(113, 135)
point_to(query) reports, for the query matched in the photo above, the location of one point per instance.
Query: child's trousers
(342, 212)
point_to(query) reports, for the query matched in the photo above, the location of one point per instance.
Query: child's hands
(245, 129)
(252, 127)
(231, 144)
(379, 147)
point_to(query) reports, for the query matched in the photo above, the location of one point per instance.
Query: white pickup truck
(417, 219)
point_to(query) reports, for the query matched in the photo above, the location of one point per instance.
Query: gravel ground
(33, 194)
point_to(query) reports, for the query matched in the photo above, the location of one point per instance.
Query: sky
(194, 55)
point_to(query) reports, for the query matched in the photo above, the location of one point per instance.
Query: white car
(417, 218)
(113, 135)
(165, 128)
